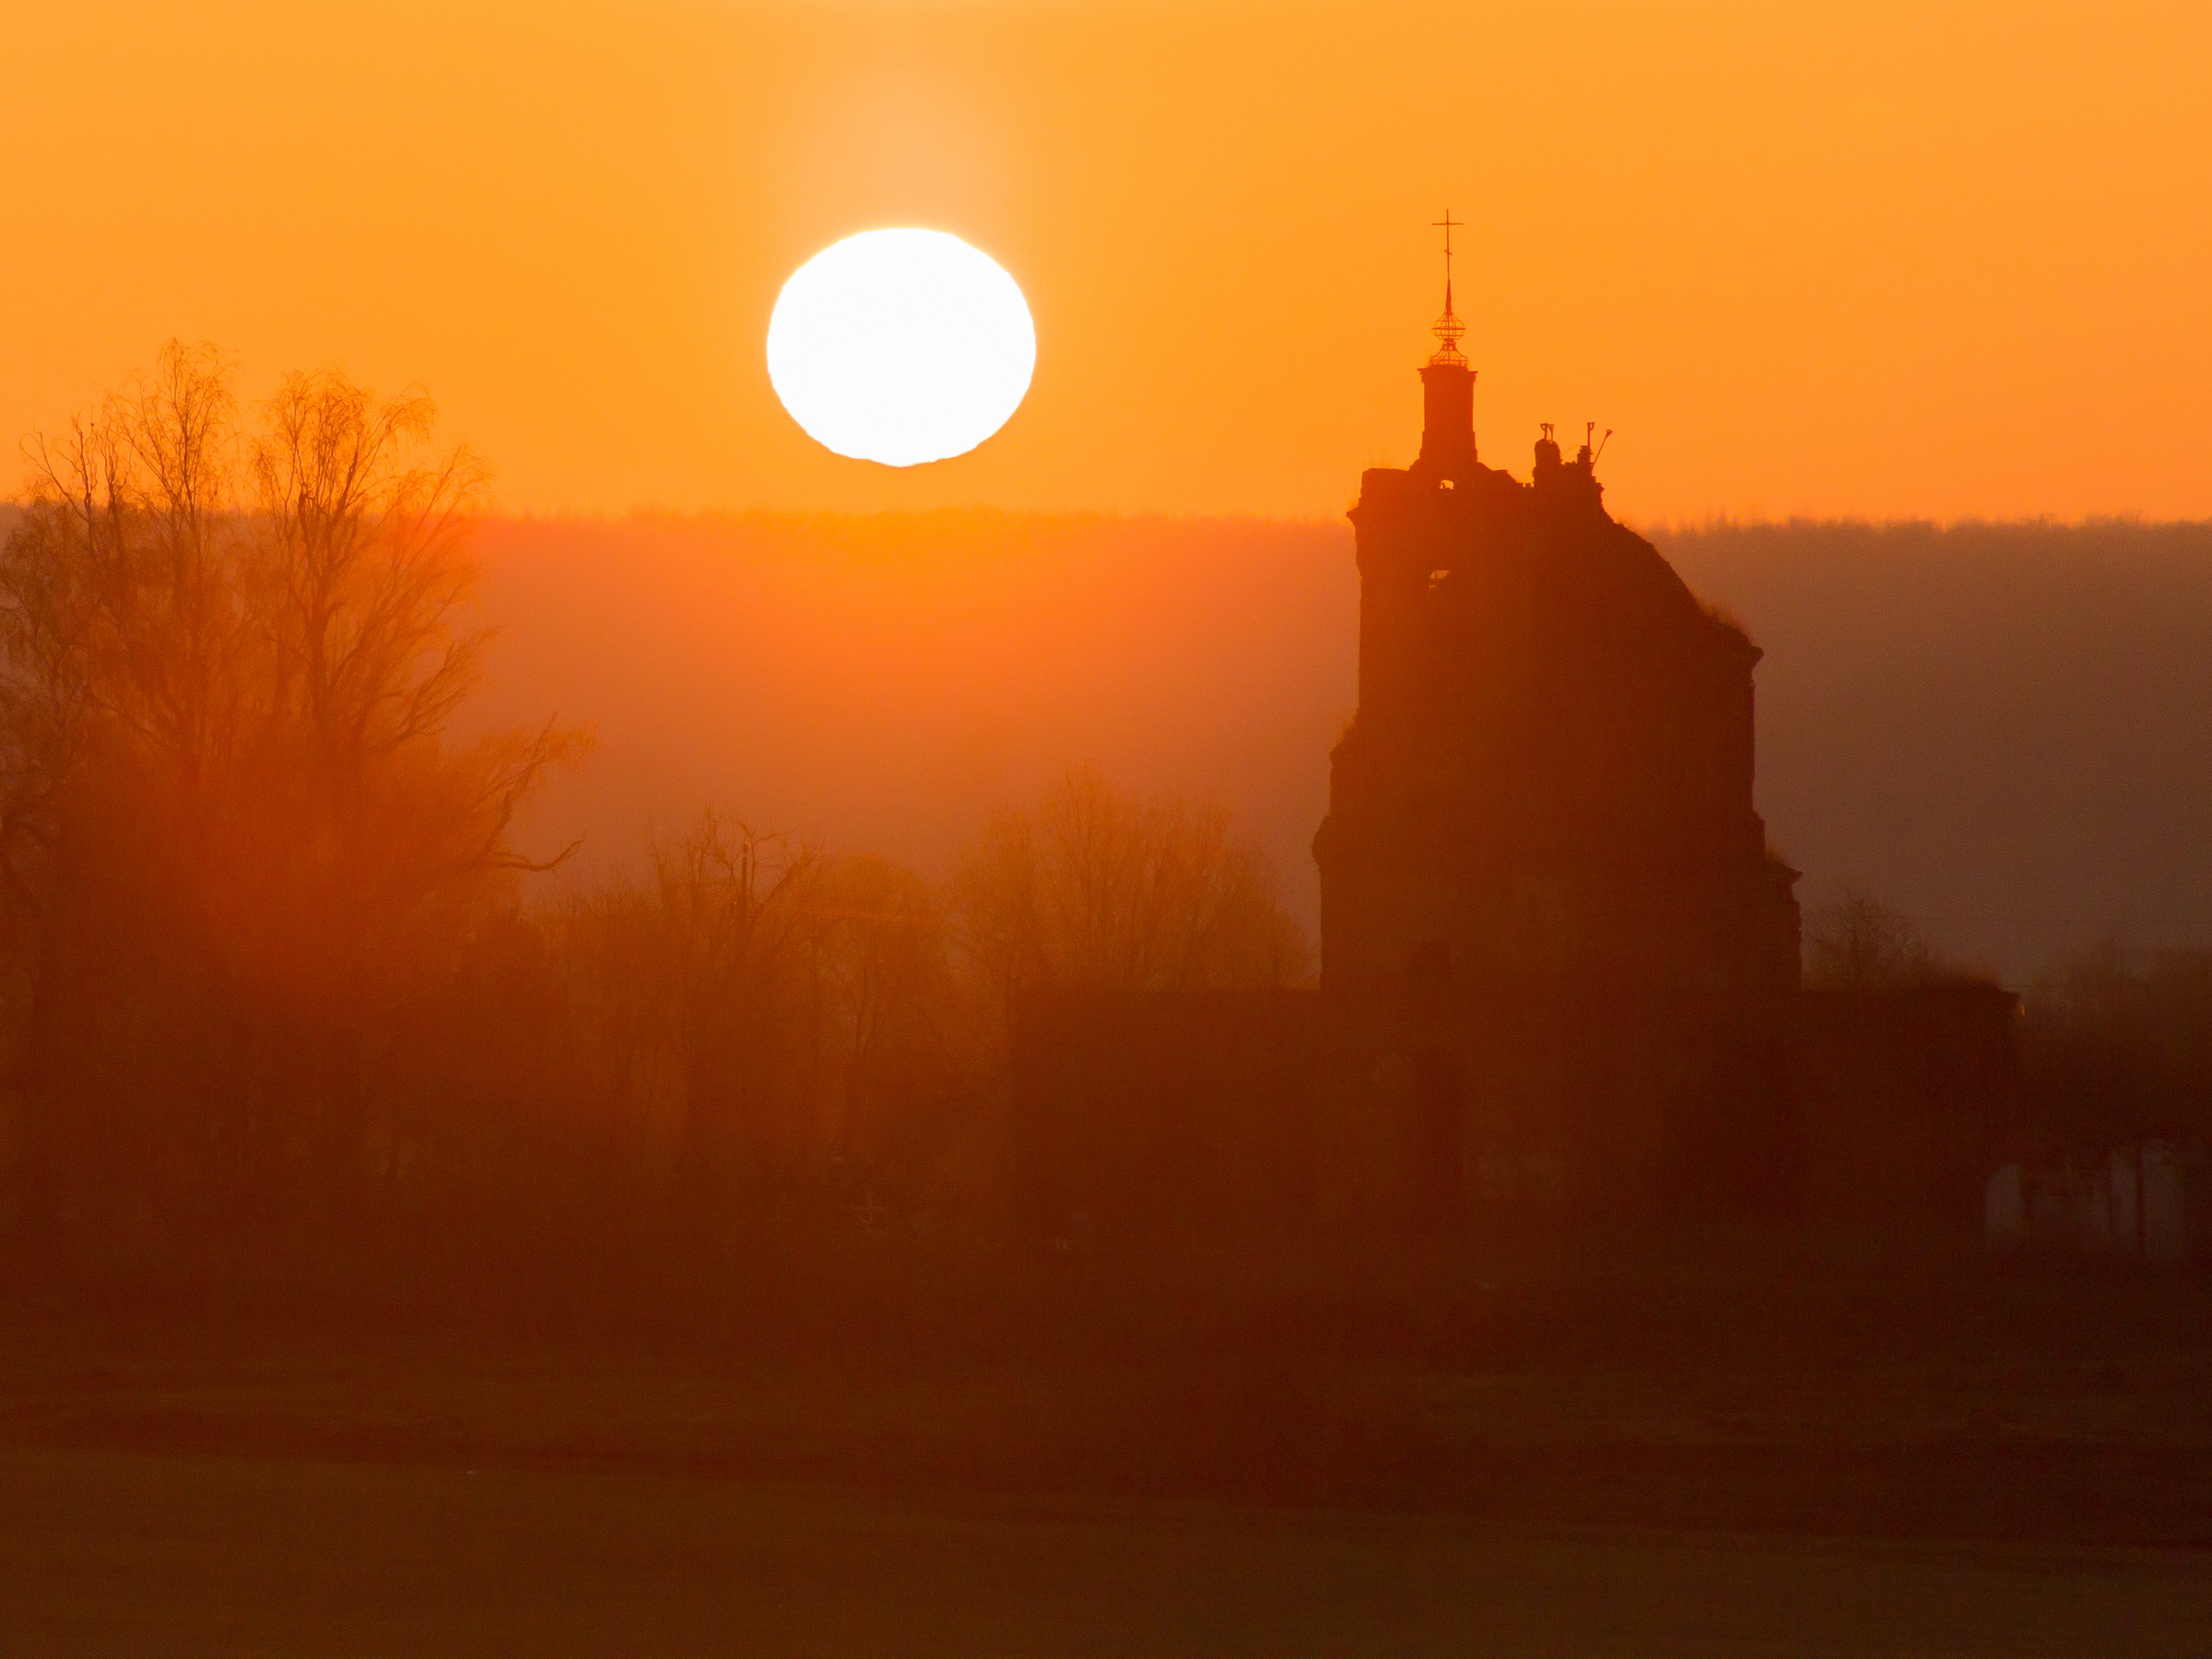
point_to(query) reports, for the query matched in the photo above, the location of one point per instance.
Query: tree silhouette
(1857, 943)
(1096, 890)
(233, 828)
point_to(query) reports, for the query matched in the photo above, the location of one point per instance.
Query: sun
(901, 347)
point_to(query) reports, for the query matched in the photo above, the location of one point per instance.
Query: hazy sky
(1880, 258)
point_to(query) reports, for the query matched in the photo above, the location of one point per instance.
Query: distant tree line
(273, 966)
(2115, 1043)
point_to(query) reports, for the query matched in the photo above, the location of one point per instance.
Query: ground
(1733, 1454)
(151, 1556)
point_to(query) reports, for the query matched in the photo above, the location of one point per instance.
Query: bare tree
(897, 1050)
(360, 593)
(732, 905)
(1857, 943)
(117, 619)
(1092, 889)
(231, 819)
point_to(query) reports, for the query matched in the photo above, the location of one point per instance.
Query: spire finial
(1448, 328)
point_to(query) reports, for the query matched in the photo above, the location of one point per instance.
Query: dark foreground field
(1744, 1451)
(153, 1556)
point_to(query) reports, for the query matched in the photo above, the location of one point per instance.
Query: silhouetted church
(1559, 961)
(1549, 777)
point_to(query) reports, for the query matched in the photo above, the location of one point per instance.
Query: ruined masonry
(1549, 776)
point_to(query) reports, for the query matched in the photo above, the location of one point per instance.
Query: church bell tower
(1447, 389)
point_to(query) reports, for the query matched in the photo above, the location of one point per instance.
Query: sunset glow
(1106, 826)
(1866, 260)
(901, 347)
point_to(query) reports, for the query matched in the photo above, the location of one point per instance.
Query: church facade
(1549, 777)
(1546, 896)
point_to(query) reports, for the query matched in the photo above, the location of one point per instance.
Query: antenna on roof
(1600, 443)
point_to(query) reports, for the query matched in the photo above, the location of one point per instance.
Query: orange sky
(1879, 258)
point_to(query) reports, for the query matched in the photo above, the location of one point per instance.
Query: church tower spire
(1448, 330)
(1447, 387)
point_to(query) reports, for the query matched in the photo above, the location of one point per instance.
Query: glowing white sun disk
(901, 347)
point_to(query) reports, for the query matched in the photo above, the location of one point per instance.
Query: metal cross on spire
(1448, 328)
(1447, 225)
